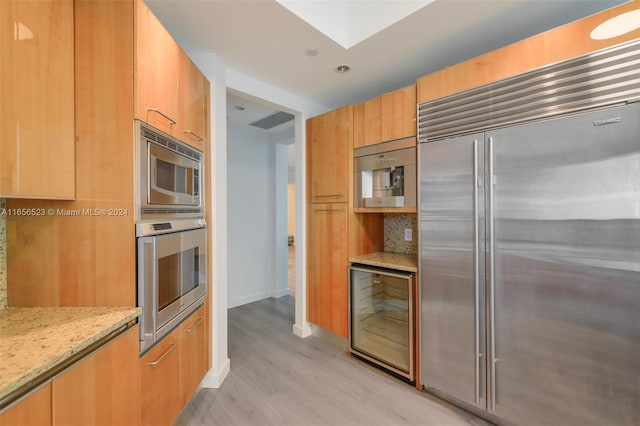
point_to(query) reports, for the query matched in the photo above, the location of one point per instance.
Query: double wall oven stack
(171, 236)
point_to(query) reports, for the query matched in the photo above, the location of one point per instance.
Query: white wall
(215, 71)
(251, 214)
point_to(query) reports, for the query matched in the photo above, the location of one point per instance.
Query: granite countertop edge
(36, 340)
(398, 261)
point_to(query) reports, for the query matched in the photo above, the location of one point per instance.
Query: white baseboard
(280, 293)
(213, 379)
(247, 299)
(302, 331)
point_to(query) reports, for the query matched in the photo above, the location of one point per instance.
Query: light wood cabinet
(193, 362)
(562, 43)
(328, 145)
(156, 72)
(37, 101)
(398, 114)
(34, 410)
(171, 92)
(59, 260)
(193, 101)
(160, 382)
(327, 262)
(103, 389)
(385, 118)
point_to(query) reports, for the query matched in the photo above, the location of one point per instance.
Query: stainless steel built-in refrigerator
(530, 269)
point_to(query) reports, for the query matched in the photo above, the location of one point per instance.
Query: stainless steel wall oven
(172, 274)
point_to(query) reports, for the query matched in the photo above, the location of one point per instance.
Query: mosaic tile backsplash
(394, 226)
(3, 255)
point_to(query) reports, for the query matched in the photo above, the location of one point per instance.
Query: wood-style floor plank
(279, 379)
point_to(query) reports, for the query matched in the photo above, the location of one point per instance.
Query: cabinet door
(327, 266)
(192, 96)
(193, 364)
(156, 72)
(372, 121)
(328, 145)
(37, 101)
(34, 410)
(160, 382)
(398, 116)
(103, 389)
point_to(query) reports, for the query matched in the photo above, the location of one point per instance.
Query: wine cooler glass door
(381, 318)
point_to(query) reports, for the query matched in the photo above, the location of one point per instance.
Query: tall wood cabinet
(327, 262)
(329, 147)
(37, 99)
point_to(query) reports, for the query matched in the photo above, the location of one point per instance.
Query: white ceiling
(264, 40)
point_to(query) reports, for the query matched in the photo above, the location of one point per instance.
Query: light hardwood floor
(279, 379)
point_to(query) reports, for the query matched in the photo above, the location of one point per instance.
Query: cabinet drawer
(160, 382)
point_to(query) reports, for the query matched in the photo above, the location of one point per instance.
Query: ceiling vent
(273, 120)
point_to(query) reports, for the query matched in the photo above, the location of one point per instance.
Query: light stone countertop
(399, 261)
(35, 340)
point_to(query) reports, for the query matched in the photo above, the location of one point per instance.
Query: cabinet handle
(329, 195)
(195, 324)
(172, 347)
(328, 210)
(195, 135)
(162, 114)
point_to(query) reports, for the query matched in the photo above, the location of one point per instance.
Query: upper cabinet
(156, 72)
(398, 116)
(553, 46)
(193, 97)
(171, 92)
(328, 145)
(37, 99)
(385, 118)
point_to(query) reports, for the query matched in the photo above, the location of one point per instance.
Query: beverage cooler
(382, 318)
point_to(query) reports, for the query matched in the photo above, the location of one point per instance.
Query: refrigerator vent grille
(598, 79)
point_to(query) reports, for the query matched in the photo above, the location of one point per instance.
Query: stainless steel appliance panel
(385, 175)
(452, 264)
(169, 176)
(172, 274)
(565, 269)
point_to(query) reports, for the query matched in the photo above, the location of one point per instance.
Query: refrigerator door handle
(476, 268)
(491, 267)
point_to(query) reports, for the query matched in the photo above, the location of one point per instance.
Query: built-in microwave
(172, 274)
(170, 175)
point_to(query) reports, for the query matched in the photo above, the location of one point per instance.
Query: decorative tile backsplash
(3, 255)
(394, 226)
